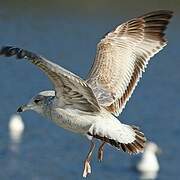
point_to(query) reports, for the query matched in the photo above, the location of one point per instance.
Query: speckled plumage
(87, 106)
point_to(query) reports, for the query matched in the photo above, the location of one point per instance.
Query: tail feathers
(133, 143)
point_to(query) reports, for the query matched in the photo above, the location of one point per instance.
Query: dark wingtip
(6, 50)
(166, 13)
(10, 51)
(19, 52)
(156, 23)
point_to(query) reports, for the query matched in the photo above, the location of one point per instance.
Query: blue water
(68, 33)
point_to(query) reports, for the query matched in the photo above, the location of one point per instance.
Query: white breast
(72, 120)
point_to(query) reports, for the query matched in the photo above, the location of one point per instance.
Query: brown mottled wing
(123, 55)
(70, 89)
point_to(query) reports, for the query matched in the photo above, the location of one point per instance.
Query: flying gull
(89, 106)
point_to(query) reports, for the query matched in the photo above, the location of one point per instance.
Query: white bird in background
(89, 107)
(149, 165)
(16, 128)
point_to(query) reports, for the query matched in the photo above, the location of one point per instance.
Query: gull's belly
(72, 121)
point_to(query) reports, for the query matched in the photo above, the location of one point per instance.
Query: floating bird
(89, 106)
(16, 128)
(148, 165)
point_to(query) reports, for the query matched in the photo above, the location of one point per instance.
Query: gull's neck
(46, 110)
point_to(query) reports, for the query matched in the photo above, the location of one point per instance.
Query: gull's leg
(101, 151)
(87, 167)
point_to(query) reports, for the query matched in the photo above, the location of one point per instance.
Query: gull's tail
(128, 138)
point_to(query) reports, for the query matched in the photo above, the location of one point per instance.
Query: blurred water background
(67, 33)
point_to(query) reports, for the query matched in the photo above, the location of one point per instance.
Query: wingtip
(168, 13)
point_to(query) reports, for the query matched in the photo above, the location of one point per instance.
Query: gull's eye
(37, 101)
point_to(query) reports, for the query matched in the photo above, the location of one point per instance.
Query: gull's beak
(20, 109)
(23, 108)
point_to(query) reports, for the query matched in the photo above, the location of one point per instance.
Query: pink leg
(87, 167)
(101, 151)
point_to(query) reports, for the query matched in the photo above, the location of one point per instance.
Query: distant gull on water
(89, 107)
(16, 128)
(148, 166)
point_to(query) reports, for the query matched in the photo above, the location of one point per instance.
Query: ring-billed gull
(89, 106)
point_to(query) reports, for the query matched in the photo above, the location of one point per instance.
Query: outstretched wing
(70, 88)
(123, 55)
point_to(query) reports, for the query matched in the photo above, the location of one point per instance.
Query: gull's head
(38, 103)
